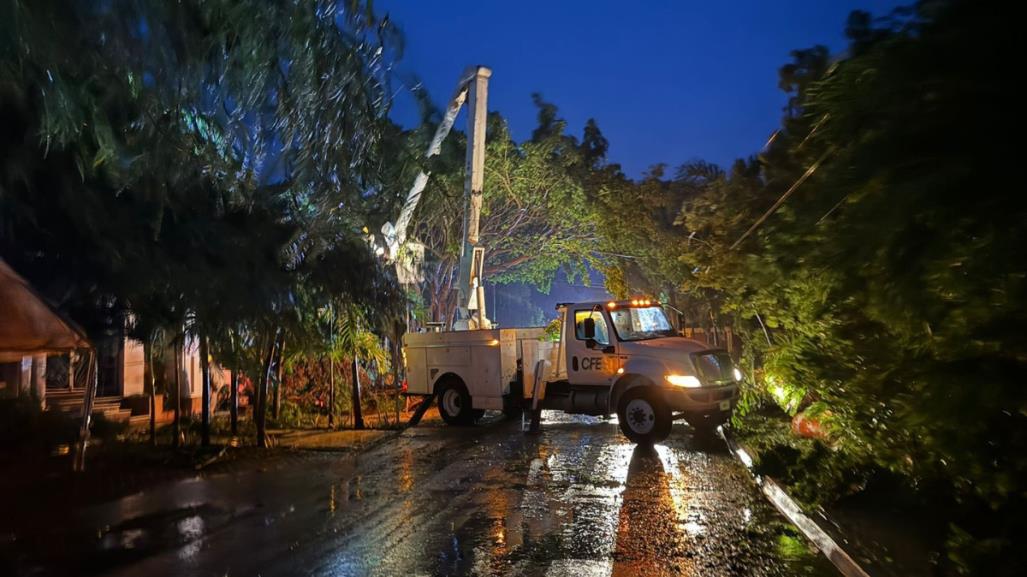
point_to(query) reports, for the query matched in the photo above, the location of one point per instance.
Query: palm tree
(351, 340)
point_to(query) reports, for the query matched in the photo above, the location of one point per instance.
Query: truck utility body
(617, 357)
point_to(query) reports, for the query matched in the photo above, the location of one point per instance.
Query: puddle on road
(577, 500)
(84, 551)
(165, 530)
(590, 506)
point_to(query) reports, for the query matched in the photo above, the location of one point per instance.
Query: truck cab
(616, 357)
(627, 354)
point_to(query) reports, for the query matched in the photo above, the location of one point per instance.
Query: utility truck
(620, 356)
(611, 357)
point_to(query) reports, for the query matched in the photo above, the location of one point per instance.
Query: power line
(809, 172)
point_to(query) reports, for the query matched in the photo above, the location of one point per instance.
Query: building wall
(191, 374)
(135, 363)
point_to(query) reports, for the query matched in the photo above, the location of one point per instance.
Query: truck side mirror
(590, 328)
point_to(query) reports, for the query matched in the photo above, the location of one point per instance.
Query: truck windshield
(640, 323)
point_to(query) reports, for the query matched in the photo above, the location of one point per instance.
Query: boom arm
(396, 234)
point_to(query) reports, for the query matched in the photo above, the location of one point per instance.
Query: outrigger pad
(421, 410)
(531, 421)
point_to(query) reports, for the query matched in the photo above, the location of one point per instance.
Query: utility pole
(470, 285)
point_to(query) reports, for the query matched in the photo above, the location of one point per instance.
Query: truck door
(591, 357)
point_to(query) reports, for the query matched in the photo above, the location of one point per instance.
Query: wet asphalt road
(575, 500)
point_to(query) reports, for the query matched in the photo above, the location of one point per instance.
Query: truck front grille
(715, 367)
(711, 396)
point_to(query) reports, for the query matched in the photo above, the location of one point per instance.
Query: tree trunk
(675, 316)
(205, 383)
(358, 417)
(280, 381)
(234, 403)
(265, 378)
(331, 392)
(151, 387)
(176, 428)
(79, 462)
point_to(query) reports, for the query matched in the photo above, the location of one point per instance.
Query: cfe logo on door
(608, 364)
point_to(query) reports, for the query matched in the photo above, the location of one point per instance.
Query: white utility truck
(618, 357)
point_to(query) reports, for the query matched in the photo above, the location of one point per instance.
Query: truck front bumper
(702, 400)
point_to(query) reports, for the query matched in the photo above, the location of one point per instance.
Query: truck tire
(455, 403)
(644, 417)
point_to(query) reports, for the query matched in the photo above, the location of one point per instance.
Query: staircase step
(66, 396)
(70, 403)
(118, 416)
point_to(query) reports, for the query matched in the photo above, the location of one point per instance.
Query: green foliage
(886, 293)
(553, 330)
(291, 415)
(816, 472)
(535, 221)
(204, 167)
(536, 218)
(104, 428)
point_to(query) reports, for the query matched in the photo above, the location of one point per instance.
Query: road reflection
(649, 541)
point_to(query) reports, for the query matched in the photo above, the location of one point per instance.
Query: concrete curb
(787, 506)
(392, 434)
(386, 436)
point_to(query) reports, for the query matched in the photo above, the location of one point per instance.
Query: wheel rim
(451, 402)
(640, 416)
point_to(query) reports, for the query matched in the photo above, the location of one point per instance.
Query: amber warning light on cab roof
(632, 303)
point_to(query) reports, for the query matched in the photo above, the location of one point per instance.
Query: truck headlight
(684, 381)
(737, 374)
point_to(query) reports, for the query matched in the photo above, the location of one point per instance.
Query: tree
(199, 166)
(870, 256)
(535, 218)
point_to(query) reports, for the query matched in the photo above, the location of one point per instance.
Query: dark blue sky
(667, 80)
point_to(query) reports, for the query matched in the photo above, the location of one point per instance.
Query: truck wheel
(455, 403)
(644, 417)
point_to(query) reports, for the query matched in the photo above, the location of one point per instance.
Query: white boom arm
(396, 234)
